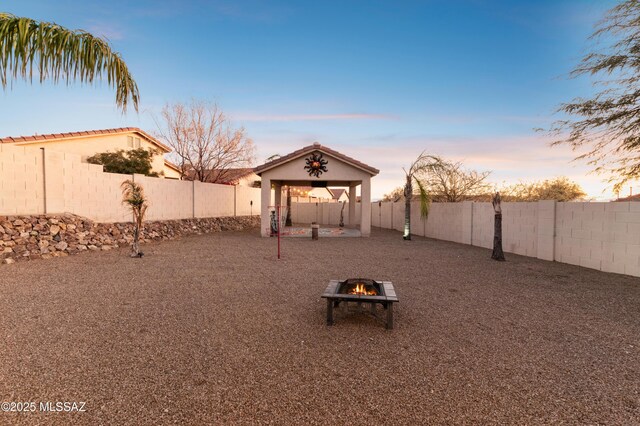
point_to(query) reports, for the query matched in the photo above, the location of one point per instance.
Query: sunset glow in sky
(380, 81)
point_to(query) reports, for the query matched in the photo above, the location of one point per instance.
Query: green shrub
(126, 162)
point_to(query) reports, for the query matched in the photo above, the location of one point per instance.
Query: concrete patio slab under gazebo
(320, 167)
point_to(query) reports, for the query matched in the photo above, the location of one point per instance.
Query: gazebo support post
(265, 202)
(365, 208)
(352, 205)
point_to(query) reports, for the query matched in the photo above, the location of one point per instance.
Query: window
(130, 141)
(137, 144)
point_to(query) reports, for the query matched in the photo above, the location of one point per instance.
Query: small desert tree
(394, 195)
(559, 189)
(134, 198)
(451, 182)
(418, 170)
(205, 144)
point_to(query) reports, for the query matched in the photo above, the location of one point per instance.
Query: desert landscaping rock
(30, 237)
(62, 246)
(213, 329)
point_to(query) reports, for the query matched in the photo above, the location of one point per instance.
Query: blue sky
(378, 80)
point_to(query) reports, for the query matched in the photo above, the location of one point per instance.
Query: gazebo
(317, 166)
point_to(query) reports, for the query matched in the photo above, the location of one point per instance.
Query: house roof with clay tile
(311, 148)
(84, 134)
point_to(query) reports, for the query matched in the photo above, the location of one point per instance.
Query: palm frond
(133, 196)
(425, 198)
(424, 163)
(57, 53)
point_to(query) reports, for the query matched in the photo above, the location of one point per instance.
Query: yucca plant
(417, 171)
(57, 53)
(134, 198)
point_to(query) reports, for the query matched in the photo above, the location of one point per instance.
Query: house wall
(321, 193)
(35, 181)
(86, 146)
(249, 180)
(343, 198)
(170, 172)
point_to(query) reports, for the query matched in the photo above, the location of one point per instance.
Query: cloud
(311, 117)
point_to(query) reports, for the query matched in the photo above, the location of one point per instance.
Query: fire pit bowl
(361, 290)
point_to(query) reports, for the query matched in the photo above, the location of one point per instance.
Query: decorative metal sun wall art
(316, 165)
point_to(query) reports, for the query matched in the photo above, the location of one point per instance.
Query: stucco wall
(54, 182)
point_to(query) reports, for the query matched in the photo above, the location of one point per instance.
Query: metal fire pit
(361, 290)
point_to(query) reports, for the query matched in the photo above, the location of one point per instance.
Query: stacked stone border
(46, 236)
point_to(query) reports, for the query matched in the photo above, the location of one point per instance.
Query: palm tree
(497, 253)
(133, 197)
(57, 53)
(418, 169)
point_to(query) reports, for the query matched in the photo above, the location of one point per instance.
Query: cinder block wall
(604, 236)
(322, 213)
(21, 181)
(35, 181)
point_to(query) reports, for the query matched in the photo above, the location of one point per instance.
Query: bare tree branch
(205, 144)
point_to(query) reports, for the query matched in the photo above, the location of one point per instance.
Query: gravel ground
(213, 329)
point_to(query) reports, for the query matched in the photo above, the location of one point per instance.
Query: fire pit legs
(329, 312)
(389, 316)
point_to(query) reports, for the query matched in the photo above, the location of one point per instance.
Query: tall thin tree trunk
(497, 253)
(135, 247)
(408, 194)
(288, 219)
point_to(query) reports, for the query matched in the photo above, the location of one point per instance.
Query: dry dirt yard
(212, 329)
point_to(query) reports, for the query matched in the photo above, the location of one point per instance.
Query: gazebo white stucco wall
(339, 170)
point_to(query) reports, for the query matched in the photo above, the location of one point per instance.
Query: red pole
(278, 219)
